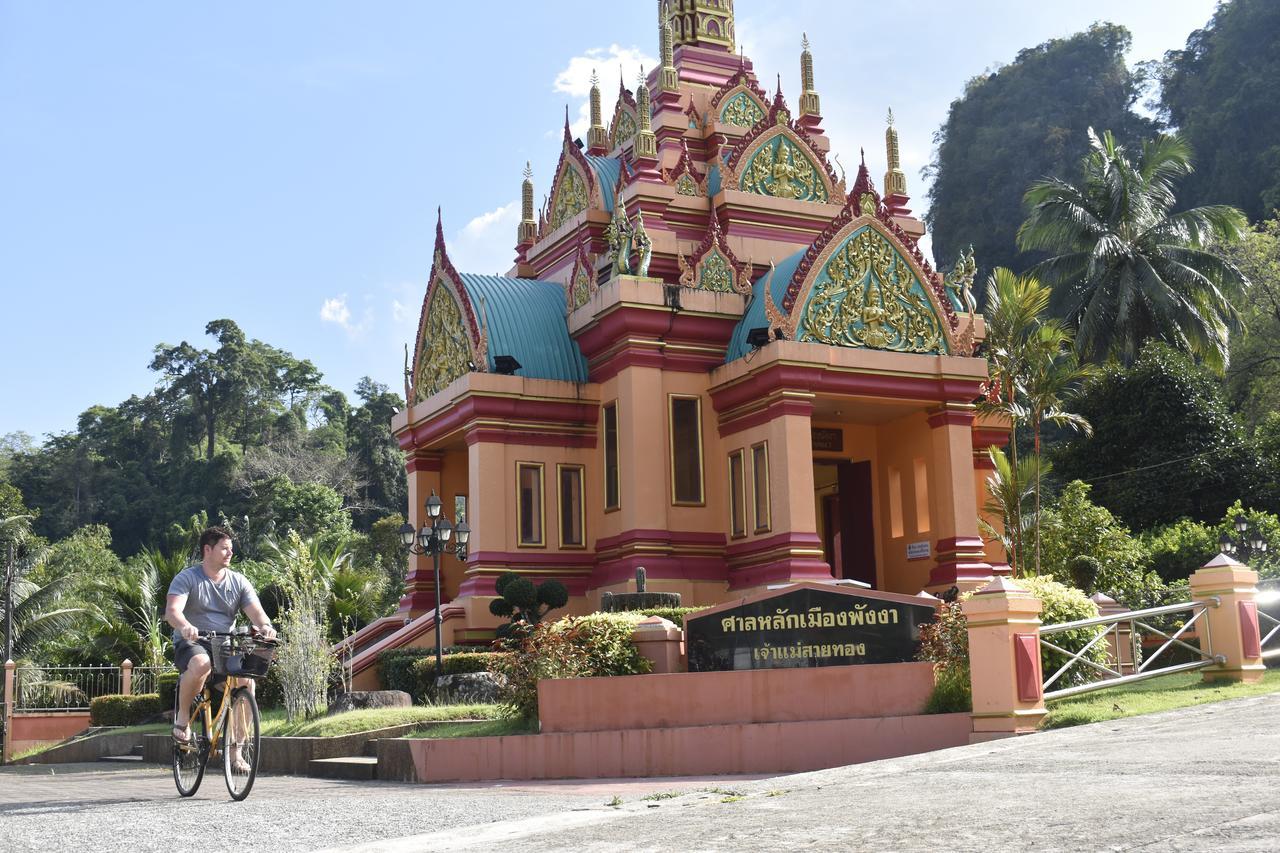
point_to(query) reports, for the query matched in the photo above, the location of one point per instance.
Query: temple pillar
(959, 552)
(424, 476)
(1003, 623)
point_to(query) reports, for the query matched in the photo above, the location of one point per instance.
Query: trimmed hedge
(117, 710)
(395, 666)
(167, 688)
(671, 614)
(424, 671)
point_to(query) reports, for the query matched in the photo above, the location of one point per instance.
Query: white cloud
(575, 79)
(336, 311)
(485, 245)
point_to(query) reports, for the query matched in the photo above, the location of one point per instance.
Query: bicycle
(240, 657)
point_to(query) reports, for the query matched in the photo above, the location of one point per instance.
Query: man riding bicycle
(207, 597)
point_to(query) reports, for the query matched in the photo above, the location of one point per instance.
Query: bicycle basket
(241, 657)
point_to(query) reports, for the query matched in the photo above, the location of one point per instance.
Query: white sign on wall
(917, 550)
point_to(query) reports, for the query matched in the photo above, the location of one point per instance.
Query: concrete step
(360, 767)
(123, 759)
(137, 750)
(370, 747)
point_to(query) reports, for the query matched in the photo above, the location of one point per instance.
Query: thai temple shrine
(713, 357)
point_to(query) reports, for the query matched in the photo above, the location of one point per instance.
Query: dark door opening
(849, 524)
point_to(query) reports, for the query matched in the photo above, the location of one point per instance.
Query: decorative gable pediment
(685, 177)
(626, 119)
(574, 187)
(740, 101)
(778, 159)
(451, 341)
(582, 280)
(713, 265)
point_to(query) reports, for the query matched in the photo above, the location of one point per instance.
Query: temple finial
(804, 41)
(809, 105)
(895, 180)
(597, 136)
(527, 230)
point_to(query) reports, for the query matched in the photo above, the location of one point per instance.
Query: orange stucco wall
(30, 730)
(707, 698)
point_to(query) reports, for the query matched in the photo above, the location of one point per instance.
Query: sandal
(181, 735)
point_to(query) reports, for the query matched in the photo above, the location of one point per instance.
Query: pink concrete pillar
(959, 550)
(662, 643)
(1232, 626)
(1004, 660)
(419, 584)
(126, 678)
(9, 701)
(1119, 638)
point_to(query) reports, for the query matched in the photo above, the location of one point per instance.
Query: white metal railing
(145, 679)
(1265, 620)
(1139, 668)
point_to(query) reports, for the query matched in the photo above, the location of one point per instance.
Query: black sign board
(806, 626)
(827, 439)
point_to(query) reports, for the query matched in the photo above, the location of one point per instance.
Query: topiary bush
(1084, 572)
(118, 710)
(573, 647)
(523, 603)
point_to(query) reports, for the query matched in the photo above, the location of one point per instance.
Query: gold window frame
(763, 448)
(582, 509)
(738, 513)
(540, 467)
(671, 448)
(604, 446)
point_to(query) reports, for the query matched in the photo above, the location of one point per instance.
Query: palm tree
(1008, 488)
(1014, 306)
(33, 613)
(1126, 269)
(1053, 373)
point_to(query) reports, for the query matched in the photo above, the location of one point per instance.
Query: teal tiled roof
(526, 319)
(607, 170)
(754, 316)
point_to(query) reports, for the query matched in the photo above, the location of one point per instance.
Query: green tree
(1219, 91)
(1164, 446)
(1254, 373)
(1126, 268)
(1017, 124)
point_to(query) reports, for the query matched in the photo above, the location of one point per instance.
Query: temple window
(737, 494)
(760, 485)
(922, 495)
(572, 519)
(529, 500)
(895, 502)
(686, 450)
(612, 498)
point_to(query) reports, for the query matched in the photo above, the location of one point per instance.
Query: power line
(1159, 464)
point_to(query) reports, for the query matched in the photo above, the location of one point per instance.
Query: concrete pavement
(1203, 778)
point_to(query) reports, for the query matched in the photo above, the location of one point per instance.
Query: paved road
(1205, 778)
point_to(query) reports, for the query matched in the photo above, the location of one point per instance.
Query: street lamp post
(1249, 543)
(432, 539)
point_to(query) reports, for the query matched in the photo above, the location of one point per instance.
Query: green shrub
(270, 692)
(946, 643)
(167, 688)
(117, 710)
(1180, 548)
(424, 671)
(573, 647)
(395, 666)
(671, 614)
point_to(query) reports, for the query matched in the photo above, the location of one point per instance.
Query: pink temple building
(713, 357)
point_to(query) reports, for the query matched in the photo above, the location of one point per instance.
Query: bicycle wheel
(240, 744)
(189, 759)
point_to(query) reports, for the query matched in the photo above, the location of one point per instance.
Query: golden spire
(597, 136)
(669, 78)
(646, 142)
(895, 180)
(809, 104)
(528, 227)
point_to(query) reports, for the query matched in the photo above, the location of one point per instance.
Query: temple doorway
(845, 514)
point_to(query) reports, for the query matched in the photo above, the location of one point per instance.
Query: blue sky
(165, 164)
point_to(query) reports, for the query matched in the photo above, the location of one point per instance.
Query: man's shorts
(184, 650)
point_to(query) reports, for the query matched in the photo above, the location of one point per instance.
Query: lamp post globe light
(1249, 542)
(432, 539)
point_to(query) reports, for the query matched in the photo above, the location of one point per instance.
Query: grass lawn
(1159, 694)
(274, 725)
(488, 728)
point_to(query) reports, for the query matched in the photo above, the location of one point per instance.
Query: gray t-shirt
(212, 606)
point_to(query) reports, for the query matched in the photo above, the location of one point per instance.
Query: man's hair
(212, 536)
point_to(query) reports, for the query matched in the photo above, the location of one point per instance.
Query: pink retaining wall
(31, 730)
(716, 698)
(688, 751)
